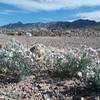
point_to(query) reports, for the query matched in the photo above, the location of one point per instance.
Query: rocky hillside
(53, 25)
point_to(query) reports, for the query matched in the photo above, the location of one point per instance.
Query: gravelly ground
(46, 87)
(59, 42)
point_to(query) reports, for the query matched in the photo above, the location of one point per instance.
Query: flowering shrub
(91, 66)
(92, 71)
(69, 64)
(15, 59)
(83, 62)
(93, 75)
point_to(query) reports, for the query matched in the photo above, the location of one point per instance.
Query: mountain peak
(19, 22)
(81, 23)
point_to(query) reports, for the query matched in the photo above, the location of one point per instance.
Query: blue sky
(29, 11)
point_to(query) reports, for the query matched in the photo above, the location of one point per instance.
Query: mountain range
(54, 25)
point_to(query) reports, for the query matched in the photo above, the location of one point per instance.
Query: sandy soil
(58, 42)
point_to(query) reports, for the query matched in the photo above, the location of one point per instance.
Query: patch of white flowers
(16, 59)
(84, 62)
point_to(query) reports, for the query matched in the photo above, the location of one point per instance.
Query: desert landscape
(43, 84)
(49, 49)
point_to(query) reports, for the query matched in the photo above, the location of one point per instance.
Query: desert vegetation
(82, 32)
(80, 65)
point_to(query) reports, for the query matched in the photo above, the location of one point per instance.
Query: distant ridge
(54, 25)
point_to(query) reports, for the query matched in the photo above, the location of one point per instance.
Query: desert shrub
(93, 75)
(69, 65)
(15, 59)
(92, 71)
(66, 67)
(81, 62)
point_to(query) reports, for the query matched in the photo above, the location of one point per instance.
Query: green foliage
(16, 60)
(70, 65)
(94, 81)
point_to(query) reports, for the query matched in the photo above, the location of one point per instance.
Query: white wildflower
(79, 74)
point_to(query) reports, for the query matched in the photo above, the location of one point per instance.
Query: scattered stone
(39, 88)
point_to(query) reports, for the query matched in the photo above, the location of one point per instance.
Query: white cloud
(10, 12)
(37, 5)
(90, 15)
(3, 13)
(6, 12)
